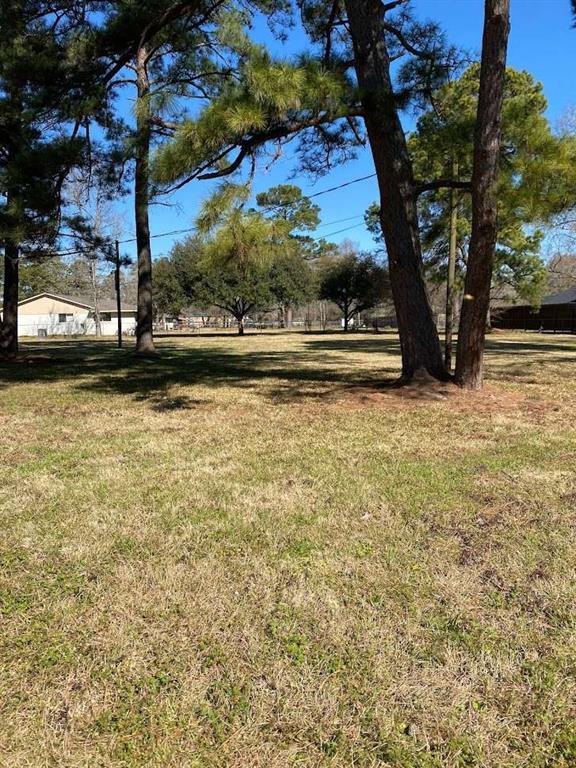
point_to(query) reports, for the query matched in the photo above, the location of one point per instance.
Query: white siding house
(49, 314)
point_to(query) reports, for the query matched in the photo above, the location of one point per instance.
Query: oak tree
(354, 282)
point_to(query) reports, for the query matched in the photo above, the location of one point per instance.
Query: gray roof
(104, 305)
(564, 297)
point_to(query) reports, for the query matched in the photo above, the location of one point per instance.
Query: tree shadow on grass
(284, 375)
(531, 348)
(101, 367)
(519, 361)
(311, 371)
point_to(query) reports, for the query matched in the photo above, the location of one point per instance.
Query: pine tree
(45, 93)
(535, 182)
(241, 260)
(230, 267)
(487, 136)
(180, 52)
(536, 174)
(327, 100)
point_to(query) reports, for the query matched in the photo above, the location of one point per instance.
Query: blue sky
(541, 41)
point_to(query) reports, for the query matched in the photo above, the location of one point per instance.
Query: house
(556, 314)
(51, 314)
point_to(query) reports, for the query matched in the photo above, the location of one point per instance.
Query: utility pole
(118, 294)
(451, 272)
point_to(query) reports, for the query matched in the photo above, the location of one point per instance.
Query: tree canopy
(354, 282)
(537, 170)
(535, 182)
(44, 96)
(241, 260)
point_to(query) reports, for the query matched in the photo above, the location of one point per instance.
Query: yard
(249, 554)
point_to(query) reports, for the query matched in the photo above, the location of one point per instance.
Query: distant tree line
(244, 262)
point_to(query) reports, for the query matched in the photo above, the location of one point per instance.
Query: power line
(160, 234)
(316, 194)
(193, 229)
(338, 231)
(56, 254)
(341, 186)
(339, 221)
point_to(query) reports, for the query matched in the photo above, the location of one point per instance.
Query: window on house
(105, 317)
(64, 318)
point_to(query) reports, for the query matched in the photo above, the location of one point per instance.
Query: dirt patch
(491, 399)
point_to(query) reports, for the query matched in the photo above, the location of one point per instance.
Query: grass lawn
(248, 554)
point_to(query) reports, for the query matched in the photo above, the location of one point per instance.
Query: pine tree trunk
(13, 127)
(9, 327)
(241, 327)
(472, 330)
(419, 338)
(289, 317)
(450, 288)
(144, 317)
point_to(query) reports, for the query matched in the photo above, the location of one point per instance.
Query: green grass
(249, 553)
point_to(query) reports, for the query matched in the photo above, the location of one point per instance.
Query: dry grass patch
(249, 553)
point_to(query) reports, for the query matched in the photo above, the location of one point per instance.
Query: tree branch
(279, 132)
(161, 123)
(329, 26)
(394, 4)
(405, 43)
(178, 10)
(234, 165)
